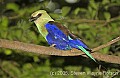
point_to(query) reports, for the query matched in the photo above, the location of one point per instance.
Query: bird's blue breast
(61, 40)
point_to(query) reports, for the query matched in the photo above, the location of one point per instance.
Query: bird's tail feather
(86, 52)
(90, 56)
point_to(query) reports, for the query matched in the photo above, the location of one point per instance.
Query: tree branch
(52, 51)
(103, 22)
(107, 44)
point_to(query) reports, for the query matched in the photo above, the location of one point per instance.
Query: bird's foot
(53, 45)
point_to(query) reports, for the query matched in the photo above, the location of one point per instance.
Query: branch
(111, 20)
(107, 44)
(84, 21)
(103, 22)
(52, 51)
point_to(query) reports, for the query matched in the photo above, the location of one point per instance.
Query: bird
(58, 35)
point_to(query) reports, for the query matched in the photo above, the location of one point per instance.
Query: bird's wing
(57, 36)
(67, 32)
(63, 29)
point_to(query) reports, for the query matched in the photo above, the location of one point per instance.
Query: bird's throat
(40, 23)
(42, 29)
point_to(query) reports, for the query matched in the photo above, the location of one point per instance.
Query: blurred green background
(94, 21)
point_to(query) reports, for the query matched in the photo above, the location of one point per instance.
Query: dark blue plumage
(60, 39)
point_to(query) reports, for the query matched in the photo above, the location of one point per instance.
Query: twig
(84, 21)
(52, 51)
(111, 20)
(103, 22)
(107, 44)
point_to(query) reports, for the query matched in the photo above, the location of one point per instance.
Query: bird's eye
(39, 15)
(35, 18)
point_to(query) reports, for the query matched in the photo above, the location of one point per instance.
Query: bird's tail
(87, 53)
(90, 56)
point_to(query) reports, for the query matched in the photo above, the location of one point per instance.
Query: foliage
(94, 21)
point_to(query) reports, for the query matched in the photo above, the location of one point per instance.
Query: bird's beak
(32, 19)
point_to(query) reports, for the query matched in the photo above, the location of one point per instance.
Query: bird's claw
(53, 45)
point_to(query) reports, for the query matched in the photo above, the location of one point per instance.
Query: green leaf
(105, 50)
(12, 6)
(36, 59)
(65, 10)
(93, 13)
(83, 26)
(8, 52)
(93, 4)
(18, 33)
(107, 16)
(90, 9)
(83, 10)
(27, 66)
(4, 22)
(105, 2)
(76, 11)
(51, 6)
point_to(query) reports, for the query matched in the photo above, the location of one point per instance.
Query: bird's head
(40, 15)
